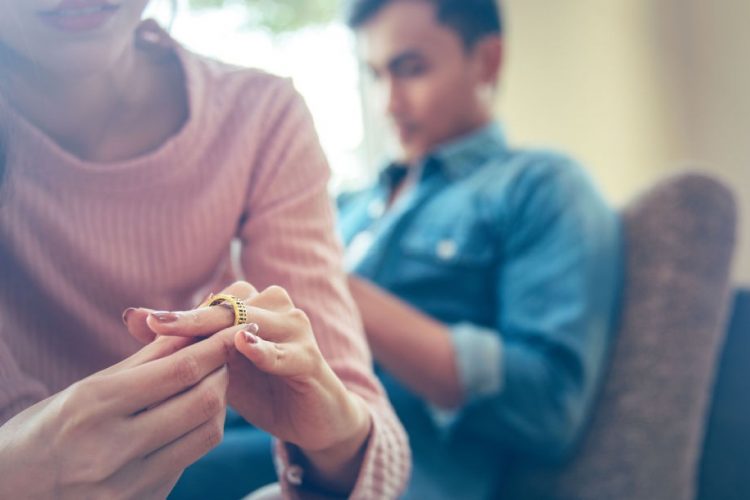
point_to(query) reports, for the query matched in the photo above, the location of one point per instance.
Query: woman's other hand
(125, 432)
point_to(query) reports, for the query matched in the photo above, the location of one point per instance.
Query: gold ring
(238, 306)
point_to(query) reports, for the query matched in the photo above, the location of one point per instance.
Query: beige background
(635, 89)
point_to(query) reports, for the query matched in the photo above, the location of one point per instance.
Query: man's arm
(557, 294)
(414, 347)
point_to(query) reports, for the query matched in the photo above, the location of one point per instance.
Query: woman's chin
(80, 61)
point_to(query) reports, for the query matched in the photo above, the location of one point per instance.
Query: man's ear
(489, 56)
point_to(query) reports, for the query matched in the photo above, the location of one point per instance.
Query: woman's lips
(79, 16)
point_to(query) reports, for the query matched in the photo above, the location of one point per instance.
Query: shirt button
(446, 249)
(376, 208)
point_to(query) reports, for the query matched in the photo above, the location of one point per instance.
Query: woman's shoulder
(244, 103)
(218, 91)
(230, 77)
(235, 88)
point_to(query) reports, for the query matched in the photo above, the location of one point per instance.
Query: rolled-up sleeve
(479, 358)
(479, 361)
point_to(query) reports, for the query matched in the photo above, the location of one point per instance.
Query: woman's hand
(125, 432)
(278, 378)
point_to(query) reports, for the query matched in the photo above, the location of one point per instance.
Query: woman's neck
(109, 115)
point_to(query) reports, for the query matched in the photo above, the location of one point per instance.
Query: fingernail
(126, 313)
(165, 317)
(253, 328)
(250, 338)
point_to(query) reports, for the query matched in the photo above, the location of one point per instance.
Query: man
(487, 276)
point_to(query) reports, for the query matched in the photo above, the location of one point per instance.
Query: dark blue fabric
(240, 464)
(725, 464)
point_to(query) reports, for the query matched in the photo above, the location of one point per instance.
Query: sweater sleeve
(288, 239)
(18, 391)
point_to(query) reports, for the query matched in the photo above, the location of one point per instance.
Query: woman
(129, 165)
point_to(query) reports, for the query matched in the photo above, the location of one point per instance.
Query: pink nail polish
(126, 313)
(250, 338)
(165, 317)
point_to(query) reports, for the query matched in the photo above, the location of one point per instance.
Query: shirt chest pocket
(455, 243)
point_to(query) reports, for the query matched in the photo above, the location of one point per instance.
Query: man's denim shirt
(519, 255)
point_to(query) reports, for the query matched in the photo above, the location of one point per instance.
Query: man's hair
(472, 20)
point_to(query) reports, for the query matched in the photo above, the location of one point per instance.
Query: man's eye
(409, 69)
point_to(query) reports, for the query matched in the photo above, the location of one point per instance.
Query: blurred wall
(635, 89)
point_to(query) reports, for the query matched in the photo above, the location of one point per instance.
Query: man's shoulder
(538, 164)
(527, 170)
(530, 186)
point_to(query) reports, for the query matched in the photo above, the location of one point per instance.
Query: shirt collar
(459, 157)
(456, 158)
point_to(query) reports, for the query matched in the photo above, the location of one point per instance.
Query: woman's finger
(159, 348)
(280, 327)
(164, 423)
(276, 327)
(151, 383)
(135, 321)
(241, 289)
(283, 360)
(273, 298)
(203, 321)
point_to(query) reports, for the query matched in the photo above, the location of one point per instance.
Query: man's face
(429, 84)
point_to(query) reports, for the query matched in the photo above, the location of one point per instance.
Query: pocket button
(446, 249)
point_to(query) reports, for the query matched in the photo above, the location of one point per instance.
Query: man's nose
(392, 98)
